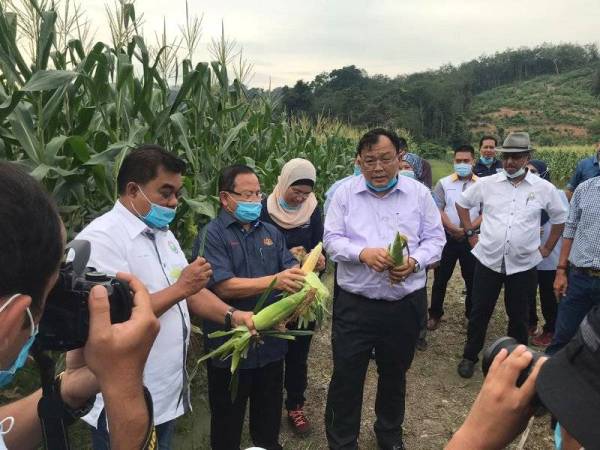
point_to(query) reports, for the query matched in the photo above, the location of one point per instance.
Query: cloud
(289, 40)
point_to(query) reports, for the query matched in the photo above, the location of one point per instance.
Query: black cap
(569, 383)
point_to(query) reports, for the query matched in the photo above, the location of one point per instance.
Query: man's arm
(561, 280)
(26, 432)
(337, 245)
(555, 233)
(432, 238)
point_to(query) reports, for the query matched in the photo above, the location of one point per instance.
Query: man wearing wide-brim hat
(508, 248)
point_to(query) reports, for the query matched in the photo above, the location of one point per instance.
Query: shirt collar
(132, 223)
(454, 177)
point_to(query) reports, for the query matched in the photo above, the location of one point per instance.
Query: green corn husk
(396, 249)
(304, 306)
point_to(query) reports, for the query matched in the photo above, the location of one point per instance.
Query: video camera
(510, 344)
(65, 323)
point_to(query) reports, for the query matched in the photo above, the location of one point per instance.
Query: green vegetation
(550, 89)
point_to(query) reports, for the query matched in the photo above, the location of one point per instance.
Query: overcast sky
(289, 40)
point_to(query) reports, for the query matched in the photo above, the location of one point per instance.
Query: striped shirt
(583, 225)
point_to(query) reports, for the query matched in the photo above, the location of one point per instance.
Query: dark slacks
(264, 388)
(453, 251)
(583, 294)
(518, 289)
(296, 370)
(548, 301)
(359, 324)
(101, 438)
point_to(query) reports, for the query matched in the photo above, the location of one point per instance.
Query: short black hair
(402, 143)
(142, 164)
(31, 239)
(229, 174)
(465, 148)
(486, 137)
(371, 137)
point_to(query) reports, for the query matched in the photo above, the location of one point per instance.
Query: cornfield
(70, 111)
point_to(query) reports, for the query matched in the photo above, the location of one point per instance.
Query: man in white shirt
(446, 192)
(508, 249)
(134, 237)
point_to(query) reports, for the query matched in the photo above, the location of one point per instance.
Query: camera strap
(50, 407)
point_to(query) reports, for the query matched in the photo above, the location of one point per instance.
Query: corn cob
(396, 248)
(310, 262)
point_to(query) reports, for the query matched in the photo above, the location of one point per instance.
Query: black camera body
(65, 323)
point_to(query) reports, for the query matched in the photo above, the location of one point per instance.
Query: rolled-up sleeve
(335, 240)
(438, 195)
(432, 237)
(573, 216)
(471, 197)
(556, 209)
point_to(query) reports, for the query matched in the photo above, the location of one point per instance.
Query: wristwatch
(417, 265)
(228, 317)
(70, 415)
(469, 233)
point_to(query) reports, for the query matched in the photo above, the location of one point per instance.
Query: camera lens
(97, 277)
(509, 344)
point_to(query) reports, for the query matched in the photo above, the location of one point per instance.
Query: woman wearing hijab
(292, 208)
(411, 165)
(546, 271)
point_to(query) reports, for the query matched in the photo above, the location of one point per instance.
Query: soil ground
(437, 399)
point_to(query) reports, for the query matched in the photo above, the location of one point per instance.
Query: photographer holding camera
(518, 380)
(134, 237)
(113, 358)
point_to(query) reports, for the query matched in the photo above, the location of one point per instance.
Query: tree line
(433, 105)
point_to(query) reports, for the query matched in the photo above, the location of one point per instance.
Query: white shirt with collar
(120, 243)
(448, 190)
(510, 230)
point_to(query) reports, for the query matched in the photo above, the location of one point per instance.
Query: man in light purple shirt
(379, 306)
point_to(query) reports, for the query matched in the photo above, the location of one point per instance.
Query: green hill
(553, 108)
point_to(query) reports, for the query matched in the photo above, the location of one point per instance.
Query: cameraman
(134, 237)
(31, 248)
(567, 385)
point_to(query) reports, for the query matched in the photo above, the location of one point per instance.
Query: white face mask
(4, 431)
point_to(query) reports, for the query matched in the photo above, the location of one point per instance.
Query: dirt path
(437, 398)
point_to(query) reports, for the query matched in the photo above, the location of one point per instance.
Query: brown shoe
(543, 340)
(298, 421)
(433, 323)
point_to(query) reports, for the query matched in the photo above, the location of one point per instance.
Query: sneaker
(534, 331)
(433, 323)
(466, 368)
(298, 421)
(543, 340)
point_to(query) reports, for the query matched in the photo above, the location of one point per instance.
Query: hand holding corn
(400, 273)
(290, 280)
(377, 259)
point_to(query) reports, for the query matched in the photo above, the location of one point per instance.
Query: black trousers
(264, 388)
(548, 301)
(296, 370)
(518, 289)
(359, 324)
(453, 251)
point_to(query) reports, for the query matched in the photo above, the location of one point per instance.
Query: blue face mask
(287, 206)
(247, 212)
(486, 160)
(159, 216)
(387, 187)
(462, 169)
(6, 376)
(357, 170)
(408, 173)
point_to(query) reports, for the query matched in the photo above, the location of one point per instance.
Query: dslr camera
(65, 323)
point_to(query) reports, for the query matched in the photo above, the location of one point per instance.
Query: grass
(439, 169)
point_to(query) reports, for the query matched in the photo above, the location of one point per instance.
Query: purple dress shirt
(357, 218)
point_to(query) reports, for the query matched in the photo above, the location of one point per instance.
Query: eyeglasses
(301, 194)
(371, 163)
(248, 195)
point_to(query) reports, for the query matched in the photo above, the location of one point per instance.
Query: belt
(587, 271)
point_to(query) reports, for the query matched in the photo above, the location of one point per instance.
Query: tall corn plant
(70, 115)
